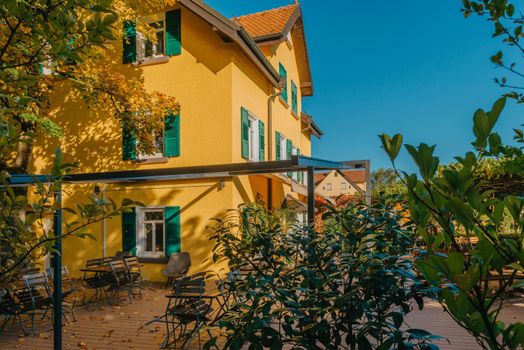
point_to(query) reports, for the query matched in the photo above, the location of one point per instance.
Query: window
(158, 146)
(328, 187)
(343, 186)
(151, 232)
(253, 138)
(148, 48)
(283, 147)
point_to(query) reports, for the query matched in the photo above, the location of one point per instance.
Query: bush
(349, 287)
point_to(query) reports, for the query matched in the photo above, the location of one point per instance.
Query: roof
(274, 25)
(309, 123)
(358, 176)
(266, 23)
(319, 177)
(230, 31)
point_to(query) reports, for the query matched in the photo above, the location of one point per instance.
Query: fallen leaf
(108, 334)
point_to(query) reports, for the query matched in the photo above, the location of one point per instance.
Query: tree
(442, 204)
(44, 44)
(383, 177)
(507, 22)
(47, 42)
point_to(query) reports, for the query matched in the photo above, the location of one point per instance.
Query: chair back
(66, 277)
(8, 304)
(179, 262)
(38, 287)
(107, 259)
(93, 262)
(131, 263)
(119, 272)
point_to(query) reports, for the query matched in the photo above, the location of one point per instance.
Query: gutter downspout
(104, 244)
(270, 102)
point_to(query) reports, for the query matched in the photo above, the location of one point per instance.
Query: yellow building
(240, 84)
(335, 183)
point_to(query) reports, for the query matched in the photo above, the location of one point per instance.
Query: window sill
(294, 114)
(151, 61)
(156, 160)
(284, 103)
(153, 260)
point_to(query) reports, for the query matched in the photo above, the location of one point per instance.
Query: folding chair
(185, 309)
(95, 280)
(119, 280)
(9, 309)
(68, 289)
(39, 294)
(134, 272)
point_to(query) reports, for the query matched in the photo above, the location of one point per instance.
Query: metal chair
(119, 280)
(95, 280)
(68, 289)
(177, 267)
(134, 272)
(9, 309)
(187, 308)
(39, 294)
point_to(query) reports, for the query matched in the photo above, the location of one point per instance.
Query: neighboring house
(336, 183)
(225, 73)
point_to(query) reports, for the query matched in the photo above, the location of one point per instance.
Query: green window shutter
(261, 142)
(128, 143)
(283, 74)
(129, 232)
(172, 135)
(172, 219)
(173, 33)
(277, 145)
(300, 174)
(294, 97)
(245, 132)
(289, 152)
(129, 51)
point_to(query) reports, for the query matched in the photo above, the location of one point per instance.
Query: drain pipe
(104, 224)
(270, 102)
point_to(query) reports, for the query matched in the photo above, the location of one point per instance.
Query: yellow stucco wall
(212, 80)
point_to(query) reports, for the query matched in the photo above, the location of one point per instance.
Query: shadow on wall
(91, 137)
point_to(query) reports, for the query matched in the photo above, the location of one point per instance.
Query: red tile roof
(266, 22)
(357, 176)
(319, 177)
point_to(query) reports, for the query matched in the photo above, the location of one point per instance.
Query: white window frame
(283, 147)
(142, 40)
(294, 152)
(343, 186)
(143, 156)
(141, 234)
(254, 139)
(329, 186)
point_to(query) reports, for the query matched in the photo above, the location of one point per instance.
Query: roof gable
(275, 25)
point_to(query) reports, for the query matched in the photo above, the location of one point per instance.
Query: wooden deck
(103, 326)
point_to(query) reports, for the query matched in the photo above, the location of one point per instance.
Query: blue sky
(414, 67)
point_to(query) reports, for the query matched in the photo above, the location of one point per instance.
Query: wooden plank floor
(103, 326)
